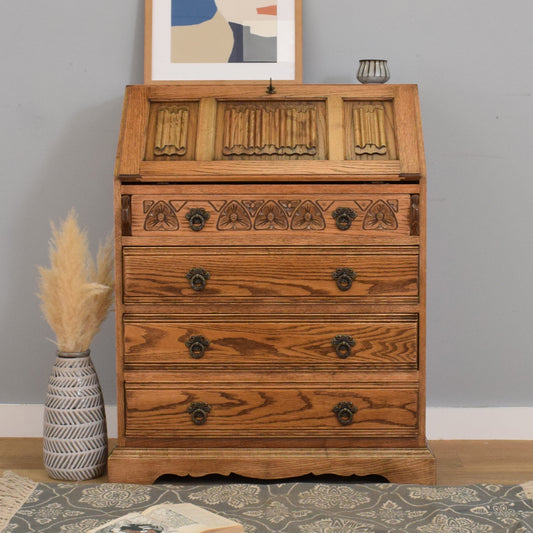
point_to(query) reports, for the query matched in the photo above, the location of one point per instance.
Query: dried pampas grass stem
(76, 292)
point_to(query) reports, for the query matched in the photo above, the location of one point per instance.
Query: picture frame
(178, 52)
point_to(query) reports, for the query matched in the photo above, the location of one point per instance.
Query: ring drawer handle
(343, 345)
(199, 412)
(197, 218)
(197, 345)
(344, 278)
(198, 278)
(345, 412)
(344, 216)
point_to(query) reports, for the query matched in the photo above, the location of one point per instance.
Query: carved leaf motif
(324, 204)
(252, 205)
(393, 204)
(369, 130)
(380, 216)
(271, 216)
(161, 217)
(234, 218)
(308, 217)
(289, 206)
(217, 205)
(171, 131)
(363, 205)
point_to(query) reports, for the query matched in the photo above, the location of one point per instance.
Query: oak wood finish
(162, 411)
(381, 342)
(160, 274)
(399, 100)
(383, 214)
(397, 465)
(270, 261)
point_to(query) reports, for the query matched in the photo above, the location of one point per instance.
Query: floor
(458, 462)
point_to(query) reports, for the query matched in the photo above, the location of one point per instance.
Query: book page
(200, 520)
(171, 518)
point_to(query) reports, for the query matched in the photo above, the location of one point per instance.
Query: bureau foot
(145, 465)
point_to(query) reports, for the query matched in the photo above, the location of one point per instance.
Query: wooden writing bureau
(270, 259)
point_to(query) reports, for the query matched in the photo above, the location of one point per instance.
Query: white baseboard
(443, 423)
(484, 423)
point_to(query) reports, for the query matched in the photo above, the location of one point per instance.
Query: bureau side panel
(121, 223)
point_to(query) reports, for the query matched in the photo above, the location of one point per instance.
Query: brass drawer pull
(198, 278)
(197, 218)
(344, 216)
(197, 345)
(345, 412)
(344, 278)
(343, 345)
(199, 412)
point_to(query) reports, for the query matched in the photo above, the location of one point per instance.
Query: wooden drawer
(181, 410)
(362, 211)
(166, 274)
(374, 341)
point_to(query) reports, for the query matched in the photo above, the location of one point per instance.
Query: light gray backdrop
(63, 70)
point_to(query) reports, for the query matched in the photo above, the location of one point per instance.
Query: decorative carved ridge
(234, 218)
(126, 214)
(252, 206)
(415, 215)
(380, 216)
(369, 130)
(270, 129)
(271, 216)
(308, 217)
(160, 217)
(299, 215)
(171, 131)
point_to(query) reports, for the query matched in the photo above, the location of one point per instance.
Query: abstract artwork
(191, 40)
(224, 31)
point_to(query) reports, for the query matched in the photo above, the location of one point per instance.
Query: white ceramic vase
(75, 431)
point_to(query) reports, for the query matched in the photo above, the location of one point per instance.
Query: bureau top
(180, 133)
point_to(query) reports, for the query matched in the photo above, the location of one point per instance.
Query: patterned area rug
(299, 507)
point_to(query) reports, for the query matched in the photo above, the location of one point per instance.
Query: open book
(171, 518)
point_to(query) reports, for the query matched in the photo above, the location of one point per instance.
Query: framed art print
(233, 40)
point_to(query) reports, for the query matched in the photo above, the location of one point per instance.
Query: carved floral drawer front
(366, 341)
(354, 214)
(206, 274)
(186, 410)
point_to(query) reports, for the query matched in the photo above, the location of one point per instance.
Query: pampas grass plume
(76, 292)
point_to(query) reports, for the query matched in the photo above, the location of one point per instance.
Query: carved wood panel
(172, 131)
(369, 130)
(271, 130)
(369, 214)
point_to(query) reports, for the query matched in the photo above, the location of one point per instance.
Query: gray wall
(64, 67)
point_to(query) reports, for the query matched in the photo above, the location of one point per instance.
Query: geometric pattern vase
(75, 431)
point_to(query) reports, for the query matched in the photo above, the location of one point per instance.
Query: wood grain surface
(253, 232)
(158, 274)
(160, 410)
(381, 342)
(382, 215)
(284, 132)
